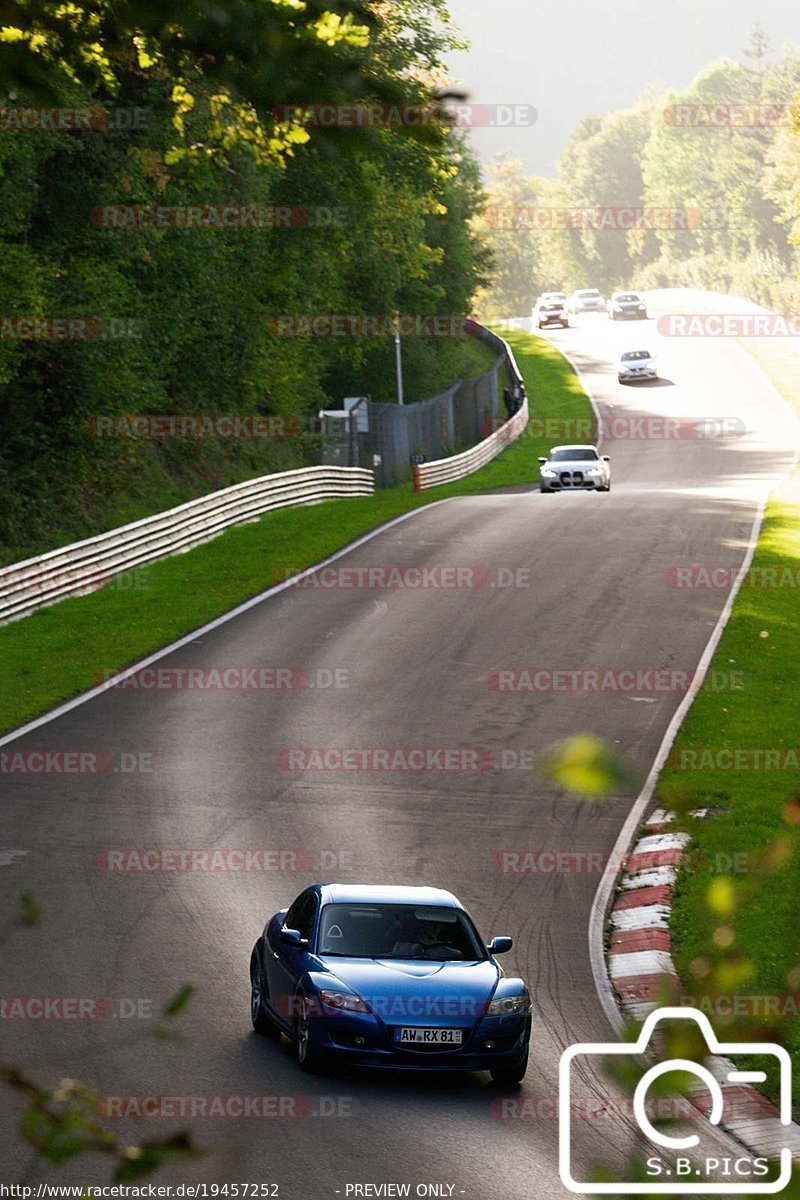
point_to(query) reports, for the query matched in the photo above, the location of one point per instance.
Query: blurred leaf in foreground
(587, 767)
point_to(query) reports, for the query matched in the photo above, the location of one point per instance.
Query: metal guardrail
(502, 347)
(445, 470)
(87, 566)
(390, 437)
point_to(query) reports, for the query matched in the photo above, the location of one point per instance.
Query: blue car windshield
(406, 931)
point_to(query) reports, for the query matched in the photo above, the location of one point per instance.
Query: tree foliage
(713, 168)
(183, 99)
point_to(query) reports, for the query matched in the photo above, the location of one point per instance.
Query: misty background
(570, 58)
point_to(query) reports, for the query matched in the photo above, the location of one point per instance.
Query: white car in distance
(587, 300)
(551, 298)
(635, 365)
(551, 312)
(575, 469)
(627, 306)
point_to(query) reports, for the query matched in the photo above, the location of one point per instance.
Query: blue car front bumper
(364, 1040)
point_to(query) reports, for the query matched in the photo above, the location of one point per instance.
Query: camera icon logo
(690, 1179)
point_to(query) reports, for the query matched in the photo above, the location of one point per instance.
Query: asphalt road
(569, 582)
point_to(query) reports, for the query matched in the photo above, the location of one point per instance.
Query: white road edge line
(584, 384)
(601, 902)
(84, 697)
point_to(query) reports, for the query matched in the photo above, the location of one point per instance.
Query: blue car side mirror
(292, 937)
(500, 945)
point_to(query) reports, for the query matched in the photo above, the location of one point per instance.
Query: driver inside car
(429, 941)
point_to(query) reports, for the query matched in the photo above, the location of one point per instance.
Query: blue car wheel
(308, 1056)
(261, 1022)
(511, 1075)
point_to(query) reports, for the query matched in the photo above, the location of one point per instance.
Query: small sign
(359, 403)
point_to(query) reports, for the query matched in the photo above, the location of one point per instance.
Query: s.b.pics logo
(676, 1163)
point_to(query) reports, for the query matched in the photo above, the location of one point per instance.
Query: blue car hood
(418, 992)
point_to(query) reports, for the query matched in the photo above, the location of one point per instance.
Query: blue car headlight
(343, 1001)
(504, 1006)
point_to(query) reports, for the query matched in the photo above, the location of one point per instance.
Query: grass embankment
(61, 651)
(99, 481)
(736, 923)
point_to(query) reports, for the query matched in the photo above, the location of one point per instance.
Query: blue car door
(285, 962)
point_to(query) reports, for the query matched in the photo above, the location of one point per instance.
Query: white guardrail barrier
(445, 470)
(87, 566)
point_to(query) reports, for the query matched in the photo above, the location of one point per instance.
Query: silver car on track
(587, 300)
(627, 306)
(575, 469)
(636, 364)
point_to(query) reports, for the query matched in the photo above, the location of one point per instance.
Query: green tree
(198, 299)
(509, 227)
(758, 50)
(601, 169)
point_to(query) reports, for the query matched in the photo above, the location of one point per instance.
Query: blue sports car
(389, 977)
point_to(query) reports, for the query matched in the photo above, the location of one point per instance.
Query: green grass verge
(61, 651)
(736, 915)
(91, 484)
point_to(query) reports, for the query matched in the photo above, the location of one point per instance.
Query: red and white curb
(644, 977)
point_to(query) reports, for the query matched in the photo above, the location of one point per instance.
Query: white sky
(569, 58)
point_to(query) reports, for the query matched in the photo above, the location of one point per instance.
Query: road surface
(567, 582)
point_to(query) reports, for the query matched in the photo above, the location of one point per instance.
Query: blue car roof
(367, 893)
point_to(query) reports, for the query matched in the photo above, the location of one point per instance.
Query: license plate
(429, 1037)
